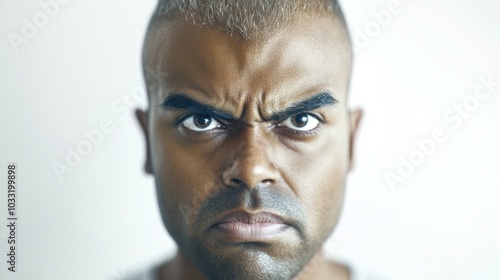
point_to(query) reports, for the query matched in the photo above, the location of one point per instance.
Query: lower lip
(251, 232)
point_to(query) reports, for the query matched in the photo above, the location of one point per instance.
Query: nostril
(235, 182)
(268, 182)
(250, 171)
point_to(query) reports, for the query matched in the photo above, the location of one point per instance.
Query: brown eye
(201, 123)
(301, 122)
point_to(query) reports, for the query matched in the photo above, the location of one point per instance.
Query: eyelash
(309, 133)
(179, 120)
(200, 134)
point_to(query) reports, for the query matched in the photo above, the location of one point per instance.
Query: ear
(355, 117)
(142, 118)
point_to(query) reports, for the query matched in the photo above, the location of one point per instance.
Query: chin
(252, 261)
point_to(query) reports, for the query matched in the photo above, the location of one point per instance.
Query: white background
(101, 220)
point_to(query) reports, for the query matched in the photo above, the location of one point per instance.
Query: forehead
(310, 56)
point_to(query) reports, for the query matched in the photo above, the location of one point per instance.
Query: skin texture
(252, 162)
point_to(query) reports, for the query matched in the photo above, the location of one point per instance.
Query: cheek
(183, 181)
(318, 177)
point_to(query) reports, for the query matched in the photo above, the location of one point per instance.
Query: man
(249, 135)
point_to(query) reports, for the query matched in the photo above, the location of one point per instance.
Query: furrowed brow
(319, 100)
(178, 101)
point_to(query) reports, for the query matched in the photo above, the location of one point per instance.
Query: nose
(251, 165)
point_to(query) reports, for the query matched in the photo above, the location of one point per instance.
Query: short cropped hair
(245, 18)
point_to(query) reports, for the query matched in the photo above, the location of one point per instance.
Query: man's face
(250, 143)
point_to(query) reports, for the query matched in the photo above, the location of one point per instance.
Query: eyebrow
(179, 101)
(317, 101)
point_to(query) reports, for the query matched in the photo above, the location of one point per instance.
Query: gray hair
(244, 18)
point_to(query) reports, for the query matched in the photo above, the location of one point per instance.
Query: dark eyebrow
(177, 101)
(319, 100)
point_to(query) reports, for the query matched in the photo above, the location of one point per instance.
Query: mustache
(260, 198)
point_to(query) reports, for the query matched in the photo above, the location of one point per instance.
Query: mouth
(247, 227)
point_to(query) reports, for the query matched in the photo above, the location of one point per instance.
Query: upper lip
(251, 218)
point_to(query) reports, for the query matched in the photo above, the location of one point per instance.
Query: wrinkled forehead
(311, 56)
